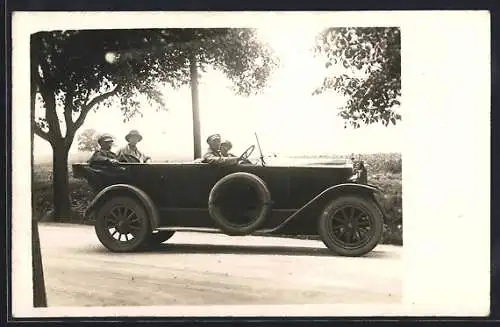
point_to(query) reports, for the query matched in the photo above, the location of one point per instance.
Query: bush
(80, 194)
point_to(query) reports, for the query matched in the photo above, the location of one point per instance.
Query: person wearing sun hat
(214, 154)
(104, 154)
(130, 152)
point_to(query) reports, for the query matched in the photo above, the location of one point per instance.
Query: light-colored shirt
(129, 154)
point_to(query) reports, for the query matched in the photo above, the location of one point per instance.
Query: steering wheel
(244, 156)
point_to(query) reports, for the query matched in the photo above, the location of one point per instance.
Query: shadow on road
(183, 248)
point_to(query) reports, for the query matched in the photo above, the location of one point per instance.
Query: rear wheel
(122, 224)
(351, 225)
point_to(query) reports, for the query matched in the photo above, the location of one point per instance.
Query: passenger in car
(225, 147)
(214, 154)
(104, 154)
(130, 152)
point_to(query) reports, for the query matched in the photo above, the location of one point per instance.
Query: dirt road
(196, 268)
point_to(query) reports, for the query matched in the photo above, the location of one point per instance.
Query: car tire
(234, 201)
(348, 218)
(125, 216)
(156, 239)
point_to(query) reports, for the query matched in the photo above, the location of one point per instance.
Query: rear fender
(99, 199)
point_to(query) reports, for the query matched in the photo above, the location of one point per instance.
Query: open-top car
(138, 205)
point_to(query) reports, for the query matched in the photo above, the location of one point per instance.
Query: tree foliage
(71, 70)
(371, 57)
(87, 140)
(74, 72)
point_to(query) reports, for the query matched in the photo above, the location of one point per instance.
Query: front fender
(150, 207)
(319, 200)
(371, 190)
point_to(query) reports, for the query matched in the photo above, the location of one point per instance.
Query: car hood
(308, 162)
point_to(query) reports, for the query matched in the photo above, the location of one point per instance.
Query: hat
(133, 133)
(105, 138)
(213, 137)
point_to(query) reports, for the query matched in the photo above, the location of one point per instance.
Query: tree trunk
(39, 294)
(62, 208)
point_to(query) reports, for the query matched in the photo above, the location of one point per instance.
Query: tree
(74, 72)
(371, 57)
(39, 291)
(87, 140)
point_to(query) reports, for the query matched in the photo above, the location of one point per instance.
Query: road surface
(200, 268)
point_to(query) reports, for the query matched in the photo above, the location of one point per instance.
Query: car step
(189, 229)
(205, 230)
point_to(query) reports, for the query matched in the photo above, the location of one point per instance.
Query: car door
(149, 178)
(189, 185)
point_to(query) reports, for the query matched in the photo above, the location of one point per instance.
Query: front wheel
(122, 224)
(351, 226)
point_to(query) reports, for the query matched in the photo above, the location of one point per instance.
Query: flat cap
(105, 138)
(213, 137)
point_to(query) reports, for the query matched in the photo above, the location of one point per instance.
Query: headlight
(354, 178)
(359, 172)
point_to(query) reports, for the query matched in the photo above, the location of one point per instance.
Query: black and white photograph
(227, 164)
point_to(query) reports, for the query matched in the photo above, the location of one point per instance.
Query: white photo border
(446, 172)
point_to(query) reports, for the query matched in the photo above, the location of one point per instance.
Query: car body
(307, 198)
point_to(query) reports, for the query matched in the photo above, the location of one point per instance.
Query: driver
(214, 154)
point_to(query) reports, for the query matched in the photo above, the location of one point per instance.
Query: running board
(189, 229)
(204, 230)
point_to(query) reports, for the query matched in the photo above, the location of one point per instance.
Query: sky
(289, 120)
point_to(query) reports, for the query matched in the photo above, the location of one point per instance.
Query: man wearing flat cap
(104, 154)
(214, 155)
(130, 152)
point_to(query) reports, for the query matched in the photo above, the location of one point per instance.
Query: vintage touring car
(144, 204)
